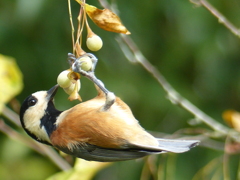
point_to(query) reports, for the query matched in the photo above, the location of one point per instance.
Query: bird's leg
(75, 63)
(71, 59)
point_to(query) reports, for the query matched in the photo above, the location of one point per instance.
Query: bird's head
(38, 115)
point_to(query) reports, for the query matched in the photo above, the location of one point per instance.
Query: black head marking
(29, 101)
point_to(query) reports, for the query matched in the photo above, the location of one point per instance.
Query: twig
(226, 174)
(71, 23)
(126, 43)
(55, 157)
(17, 136)
(173, 95)
(11, 115)
(48, 151)
(221, 19)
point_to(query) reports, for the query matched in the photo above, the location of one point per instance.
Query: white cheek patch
(32, 117)
(33, 125)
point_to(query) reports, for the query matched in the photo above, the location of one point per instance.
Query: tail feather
(177, 145)
(168, 145)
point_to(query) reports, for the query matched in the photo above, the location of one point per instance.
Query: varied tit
(88, 132)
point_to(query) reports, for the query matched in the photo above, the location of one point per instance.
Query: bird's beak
(51, 92)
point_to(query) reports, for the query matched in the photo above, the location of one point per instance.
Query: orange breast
(85, 123)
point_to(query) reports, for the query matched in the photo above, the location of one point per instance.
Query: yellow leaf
(105, 19)
(10, 79)
(232, 118)
(84, 170)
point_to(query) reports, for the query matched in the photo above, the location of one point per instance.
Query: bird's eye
(32, 102)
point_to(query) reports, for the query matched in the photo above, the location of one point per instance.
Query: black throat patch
(48, 121)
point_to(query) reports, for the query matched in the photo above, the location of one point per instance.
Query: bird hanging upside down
(88, 132)
(101, 129)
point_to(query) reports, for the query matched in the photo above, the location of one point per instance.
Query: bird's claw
(75, 63)
(76, 67)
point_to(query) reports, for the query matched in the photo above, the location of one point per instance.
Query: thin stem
(10, 132)
(226, 174)
(221, 19)
(71, 22)
(173, 95)
(11, 115)
(42, 149)
(56, 158)
(131, 51)
(127, 45)
(80, 25)
(89, 30)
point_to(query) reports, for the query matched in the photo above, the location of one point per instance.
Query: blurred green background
(196, 54)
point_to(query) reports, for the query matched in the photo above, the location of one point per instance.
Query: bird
(87, 131)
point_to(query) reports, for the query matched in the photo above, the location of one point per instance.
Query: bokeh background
(197, 55)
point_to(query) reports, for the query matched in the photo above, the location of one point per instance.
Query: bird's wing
(95, 153)
(133, 151)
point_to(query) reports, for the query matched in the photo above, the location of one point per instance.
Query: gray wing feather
(95, 153)
(132, 151)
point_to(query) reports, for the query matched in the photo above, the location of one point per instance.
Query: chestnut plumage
(88, 132)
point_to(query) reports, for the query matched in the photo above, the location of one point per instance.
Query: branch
(173, 95)
(11, 115)
(126, 42)
(131, 51)
(40, 148)
(17, 136)
(221, 19)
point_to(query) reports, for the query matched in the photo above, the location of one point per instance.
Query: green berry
(86, 63)
(63, 80)
(94, 43)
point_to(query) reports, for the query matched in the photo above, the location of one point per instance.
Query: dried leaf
(73, 76)
(105, 19)
(10, 79)
(79, 51)
(74, 95)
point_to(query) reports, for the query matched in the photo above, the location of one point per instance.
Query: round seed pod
(63, 80)
(86, 63)
(94, 43)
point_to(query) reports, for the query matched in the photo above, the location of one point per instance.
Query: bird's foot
(76, 63)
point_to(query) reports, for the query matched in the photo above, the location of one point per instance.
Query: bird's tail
(168, 145)
(177, 145)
